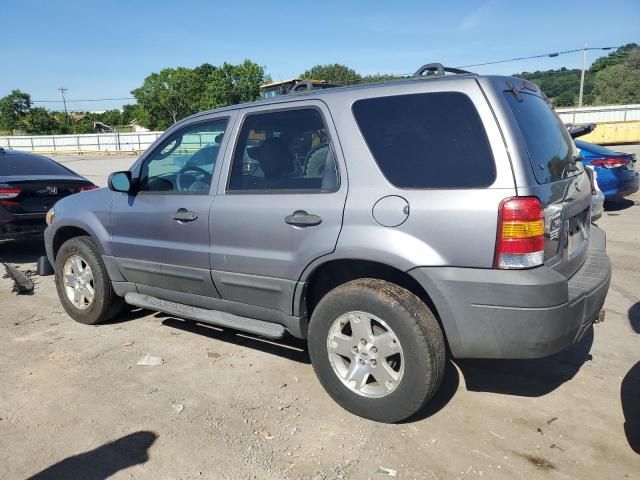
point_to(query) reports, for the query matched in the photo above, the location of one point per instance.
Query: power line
(553, 54)
(83, 100)
(544, 55)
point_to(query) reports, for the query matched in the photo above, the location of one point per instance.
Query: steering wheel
(313, 166)
(190, 168)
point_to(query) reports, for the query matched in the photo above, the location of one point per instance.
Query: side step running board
(213, 317)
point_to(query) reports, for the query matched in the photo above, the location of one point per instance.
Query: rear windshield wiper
(572, 163)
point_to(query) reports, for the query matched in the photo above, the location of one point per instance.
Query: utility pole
(63, 91)
(584, 67)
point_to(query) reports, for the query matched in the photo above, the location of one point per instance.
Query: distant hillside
(562, 86)
(611, 79)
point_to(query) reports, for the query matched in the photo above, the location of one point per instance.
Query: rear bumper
(21, 229)
(518, 314)
(618, 183)
(597, 205)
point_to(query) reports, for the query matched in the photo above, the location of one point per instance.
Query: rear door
(280, 204)
(559, 181)
(160, 235)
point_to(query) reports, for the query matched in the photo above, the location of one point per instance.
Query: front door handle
(184, 215)
(300, 218)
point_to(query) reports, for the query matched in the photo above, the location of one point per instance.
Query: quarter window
(427, 140)
(284, 150)
(185, 161)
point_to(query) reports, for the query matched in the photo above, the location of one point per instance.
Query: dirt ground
(223, 405)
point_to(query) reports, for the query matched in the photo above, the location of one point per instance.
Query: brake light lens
(8, 192)
(88, 187)
(520, 237)
(610, 162)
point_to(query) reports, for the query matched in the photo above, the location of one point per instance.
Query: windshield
(550, 148)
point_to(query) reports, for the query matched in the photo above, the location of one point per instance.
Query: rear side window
(427, 140)
(548, 142)
(18, 164)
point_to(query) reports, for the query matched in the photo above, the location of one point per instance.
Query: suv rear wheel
(83, 284)
(377, 349)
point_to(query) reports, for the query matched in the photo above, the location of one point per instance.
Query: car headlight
(50, 216)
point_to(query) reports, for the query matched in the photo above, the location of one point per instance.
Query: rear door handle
(300, 218)
(184, 215)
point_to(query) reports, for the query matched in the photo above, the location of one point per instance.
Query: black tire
(106, 304)
(416, 329)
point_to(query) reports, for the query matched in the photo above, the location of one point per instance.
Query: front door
(280, 205)
(161, 234)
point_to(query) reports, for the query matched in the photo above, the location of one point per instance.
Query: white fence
(92, 142)
(613, 113)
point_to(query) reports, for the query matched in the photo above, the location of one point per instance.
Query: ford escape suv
(388, 224)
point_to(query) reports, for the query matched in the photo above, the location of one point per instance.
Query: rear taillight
(610, 162)
(88, 187)
(520, 238)
(8, 192)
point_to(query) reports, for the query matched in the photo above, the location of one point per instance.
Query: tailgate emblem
(52, 190)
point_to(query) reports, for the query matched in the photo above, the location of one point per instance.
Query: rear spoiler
(579, 130)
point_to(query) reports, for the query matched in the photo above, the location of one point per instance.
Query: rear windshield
(427, 140)
(19, 164)
(548, 142)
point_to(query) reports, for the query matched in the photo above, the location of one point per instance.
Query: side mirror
(120, 182)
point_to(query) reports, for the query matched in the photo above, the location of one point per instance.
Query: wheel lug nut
(355, 349)
(374, 350)
(361, 362)
(373, 362)
(363, 341)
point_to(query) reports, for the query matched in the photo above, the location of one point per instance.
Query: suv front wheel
(377, 349)
(83, 284)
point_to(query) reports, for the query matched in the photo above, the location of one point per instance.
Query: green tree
(204, 70)
(135, 112)
(335, 73)
(170, 95)
(561, 86)
(565, 99)
(110, 117)
(619, 84)
(82, 126)
(13, 110)
(614, 58)
(231, 84)
(379, 77)
(40, 122)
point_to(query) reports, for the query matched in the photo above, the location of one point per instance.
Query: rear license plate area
(577, 229)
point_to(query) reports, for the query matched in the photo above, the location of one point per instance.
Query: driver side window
(185, 161)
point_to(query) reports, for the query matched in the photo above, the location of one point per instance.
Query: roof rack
(437, 70)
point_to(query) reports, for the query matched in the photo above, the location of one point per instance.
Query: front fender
(87, 211)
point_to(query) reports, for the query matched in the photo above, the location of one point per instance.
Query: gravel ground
(222, 405)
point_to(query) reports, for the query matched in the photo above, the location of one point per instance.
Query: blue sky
(105, 49)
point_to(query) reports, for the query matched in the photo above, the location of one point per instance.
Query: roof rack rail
(437, 70)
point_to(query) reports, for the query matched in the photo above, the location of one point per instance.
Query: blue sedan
(616, 173)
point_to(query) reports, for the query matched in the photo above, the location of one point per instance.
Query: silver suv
(388, 224)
